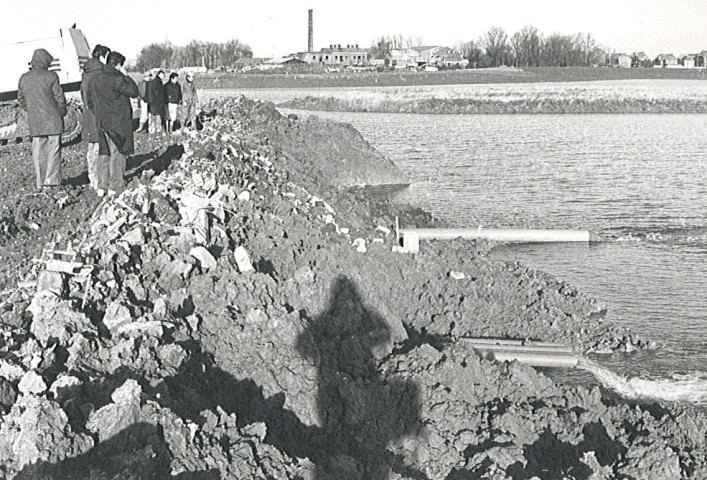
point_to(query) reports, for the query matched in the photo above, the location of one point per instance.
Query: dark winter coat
(90, 69)
(189, 95)
(174, 92)
(156, 97)
(40, 95)
(109, 94)
(142, 89)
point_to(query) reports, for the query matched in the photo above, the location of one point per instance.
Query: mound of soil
(235, 313)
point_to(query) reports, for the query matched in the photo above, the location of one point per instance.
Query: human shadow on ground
(135, 165)
(359, 412)
(138, 452)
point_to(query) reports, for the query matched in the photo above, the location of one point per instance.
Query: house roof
(283, 60)
(425, 48)
(249, 61)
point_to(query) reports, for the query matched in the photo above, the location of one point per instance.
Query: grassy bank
(449, 77)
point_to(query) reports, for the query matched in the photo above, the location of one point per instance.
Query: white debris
(32, 382)
(243, 260)
(206, 260)
(360, 245)
(457, 275)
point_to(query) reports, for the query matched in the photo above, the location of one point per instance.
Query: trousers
(111, 168)
(46, 154)
(91, 156)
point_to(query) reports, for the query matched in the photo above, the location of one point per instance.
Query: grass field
(450, 77)
(617, 96)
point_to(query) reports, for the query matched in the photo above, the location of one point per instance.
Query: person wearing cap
(39, 94)
(90, 69)
(190, 102)
(142, 97)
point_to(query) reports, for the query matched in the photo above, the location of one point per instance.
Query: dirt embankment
(493, 106)
(322, 355)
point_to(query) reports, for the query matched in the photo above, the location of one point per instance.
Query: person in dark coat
(39, 93)
(174, 98)
(157, 102)
(93, 65)
(190, 102)
(109, 94)
(142, 97)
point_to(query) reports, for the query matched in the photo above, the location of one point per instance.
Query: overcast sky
(276, 28)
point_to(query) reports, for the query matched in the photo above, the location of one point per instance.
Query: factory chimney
(310, 37)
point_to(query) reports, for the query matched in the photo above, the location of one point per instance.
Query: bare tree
(495, 42)
(381, 48)
(471, 51)
(526, 46)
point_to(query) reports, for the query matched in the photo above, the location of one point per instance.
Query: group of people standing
(106, 92)
(160, 103)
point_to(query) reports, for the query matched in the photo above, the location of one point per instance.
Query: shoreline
(334, 355)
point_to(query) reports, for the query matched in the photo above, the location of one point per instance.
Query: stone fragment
(32, 382)
(457, 275)
(111, 419)
(360, 245)
(53, 318)
(244, 196)
(8, 395)
(54, 282)
(385, 230)
(206, 260)
(304, 275)
(117, 315)
(134, 237)
(62, 384)
(243, 260)
(37, 429)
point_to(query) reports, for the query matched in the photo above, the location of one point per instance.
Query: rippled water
(638, 180)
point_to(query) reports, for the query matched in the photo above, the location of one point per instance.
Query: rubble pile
(240, 315)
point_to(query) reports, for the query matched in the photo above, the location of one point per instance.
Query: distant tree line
(194, 54)
(530, 48)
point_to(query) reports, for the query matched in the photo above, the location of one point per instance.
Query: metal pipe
(502, 235)
(536, 354)
(559, 360)
(503, 342)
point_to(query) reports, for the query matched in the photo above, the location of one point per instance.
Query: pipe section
(535, 354)
(501, 235)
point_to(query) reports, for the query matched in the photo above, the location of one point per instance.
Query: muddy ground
(239, 313)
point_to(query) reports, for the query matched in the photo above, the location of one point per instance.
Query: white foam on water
(691, 388)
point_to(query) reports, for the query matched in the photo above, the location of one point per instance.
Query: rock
(304, 276)
(457, 275)
(62, 384)
(360, 245)
(8, 395)
(54, 282)
(114, 417)
(55, 319)
(244, 196)
(134, 237)
(117, 315)
(243, 260)
(206, 260)
(32, 382)
(37, 429)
